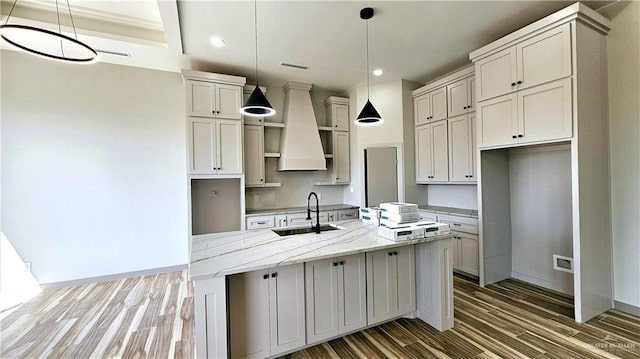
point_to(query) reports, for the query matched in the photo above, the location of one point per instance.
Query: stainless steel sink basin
(303, 230)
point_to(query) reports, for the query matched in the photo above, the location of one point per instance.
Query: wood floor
(142, 317)
(152, 317)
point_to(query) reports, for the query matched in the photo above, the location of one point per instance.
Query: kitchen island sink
(303, 230)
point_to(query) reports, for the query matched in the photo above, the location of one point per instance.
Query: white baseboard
(558, 287)
(627, 308)
(110, 277)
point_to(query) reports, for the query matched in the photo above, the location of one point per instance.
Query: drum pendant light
(257, 104)
(368, 116)
(46, 43)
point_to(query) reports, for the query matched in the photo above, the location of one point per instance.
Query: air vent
(302, 67)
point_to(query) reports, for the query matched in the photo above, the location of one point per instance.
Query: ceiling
(413, 40)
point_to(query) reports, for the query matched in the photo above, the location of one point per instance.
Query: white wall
(93, 167)
(541, 216)
(624, 127)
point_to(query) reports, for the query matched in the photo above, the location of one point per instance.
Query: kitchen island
(418, 272)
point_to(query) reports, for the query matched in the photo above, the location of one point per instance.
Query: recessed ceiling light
(378, 72)
(217, 41)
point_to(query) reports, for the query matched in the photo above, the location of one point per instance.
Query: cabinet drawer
(300, 219)
(260, 222)
(346, 214)
(460, 224)
(427, 216)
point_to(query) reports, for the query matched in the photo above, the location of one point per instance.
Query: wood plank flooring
(509, 319)
(152, 317)
(142, 317)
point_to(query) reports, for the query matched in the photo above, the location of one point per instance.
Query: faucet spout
(317, 226)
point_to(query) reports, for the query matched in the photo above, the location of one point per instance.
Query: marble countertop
(244, 251)
(451, 211)
(277, 211)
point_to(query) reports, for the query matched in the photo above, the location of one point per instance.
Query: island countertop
(244, 251)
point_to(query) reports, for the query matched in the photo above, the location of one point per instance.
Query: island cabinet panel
(267, 312)
(434, 279)
(391, 284)
(335, 297)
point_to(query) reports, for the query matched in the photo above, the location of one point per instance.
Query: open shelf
(274, 124)
(328, 155)
(325, 128)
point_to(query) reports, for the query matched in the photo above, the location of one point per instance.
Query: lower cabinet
(336, 296)
(465, 251)
(267, 312)
(434, 284)
(391, 283)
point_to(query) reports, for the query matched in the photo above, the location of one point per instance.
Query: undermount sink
(302, 230)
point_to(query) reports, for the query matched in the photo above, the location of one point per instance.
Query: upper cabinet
(431, 153)
(209, 99)
(338, 112)
(430, 106)
(461, 96)
(335, 141)
(462, 148)
(537, 60)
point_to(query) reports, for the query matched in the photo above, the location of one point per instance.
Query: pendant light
(368, 116)
(46, 43)
(257, 104)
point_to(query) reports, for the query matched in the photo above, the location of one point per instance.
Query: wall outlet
(215, 193)
(256, 198)
(27, 267)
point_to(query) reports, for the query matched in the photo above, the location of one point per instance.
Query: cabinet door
(405, 278)
(253, 155)
(438, 104)
(422, 109)
(471, 94)
(496, 74)
(341, 157)
(229, 138)
(497, 121)
(458, 98)
(331, 216)
(440, 152)
(260, 222)
(228, 101)
(456, 251)
(286, 308)
(203, 149)
(200, 98)
(459, 149)
(352, 304)
(424, 154)
(544, 112)
(545, 57)
(249, 315)
(468, 253)
(340, 117)
(281, 221)
(473, 146)
(321, 279)
(381, 287)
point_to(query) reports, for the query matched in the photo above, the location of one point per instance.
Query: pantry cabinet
(431, 153)
(215, 146)
(335, 296)
(537, 60)
(391, 283)
(431, 106)
(462, 157)
(266, 312)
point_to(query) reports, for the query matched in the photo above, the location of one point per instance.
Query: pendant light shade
(369, 116)
(46, 43)
(257, 104)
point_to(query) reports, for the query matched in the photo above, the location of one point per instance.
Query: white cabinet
(431, 106)
(540, 113)
(335, 297)
(432, 164)
(260, 222)
(391, 287)
(215, 100)
(253, 155)
(427, 216)
(461, 97)
(462, 148)
(330, 216)
(465, 243)
(346, 214)
(215, 146)
(537, 60)
(337, 109)
(434, 283)
(266, 312)
(341, 167)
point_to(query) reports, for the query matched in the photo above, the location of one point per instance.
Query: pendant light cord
(10, 12)
(367, 31)
(72, 23)
(255, 27)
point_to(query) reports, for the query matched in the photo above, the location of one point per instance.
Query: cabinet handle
(336, 126)
(390, 254)
(341, 263)
(261, 222)
(266, 276)
(514, 136)
(259, 120)
(470, 176)
(457, 224)
(513, 84)
(260, 179)
(520, 136)
(466, 176)
(395, 253)
(519, 82)
(335, 264)
(273, 275)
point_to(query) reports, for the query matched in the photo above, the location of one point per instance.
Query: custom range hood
(300, 146)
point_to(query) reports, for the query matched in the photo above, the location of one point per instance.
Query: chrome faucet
(317, 226)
